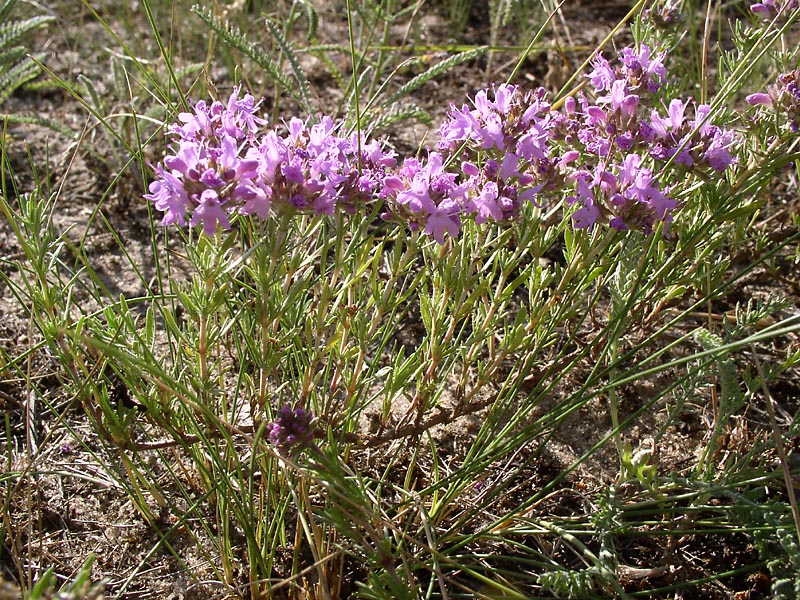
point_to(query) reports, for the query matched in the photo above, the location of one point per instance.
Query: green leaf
(12, 31)
(17, 76)
(11, 55)
(288, 52)
(436, 70)
(731, 395)
(234, 38)
(6, 9)
(16, 68)
(396, 112)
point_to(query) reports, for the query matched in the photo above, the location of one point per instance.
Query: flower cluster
(496, 147)
(609, 139)
(292, 430)
(604, 176)
(637, 73)
(425, 195)
(625, 195)
(691, 141)
(502, 146)
(783, 96)
(222, 167)
(505, 149)
(664, 14)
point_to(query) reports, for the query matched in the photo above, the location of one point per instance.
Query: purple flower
(196, 122)
(640, 72)
(760, 98)
(244, 112)
(644, 70)
(717, 153)
(603, 75)
(586, 216)
(770, 9)
(639, 202)
(169, 196)
(781, 98)
(620, 99)
(210, 213)
(486, 206)
(443, 219)
(764, 8)
(320, 169)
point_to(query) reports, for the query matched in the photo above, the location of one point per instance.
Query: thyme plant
(351, 365)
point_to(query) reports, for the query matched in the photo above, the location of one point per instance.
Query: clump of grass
(323, 310)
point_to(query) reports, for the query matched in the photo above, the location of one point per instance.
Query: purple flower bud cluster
(221, 166)
(664, 14)
(783, 96)
(292, 430)
(506, 148)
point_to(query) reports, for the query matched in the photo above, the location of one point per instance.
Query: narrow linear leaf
(6, 9)
(317, 48)
(366, 73)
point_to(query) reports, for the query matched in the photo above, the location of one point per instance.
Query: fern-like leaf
(16, 68)
(399, 111)
(436, 70)
(313, 19)
(291, 57)
(506, 11)
(12, 31)
(39, 120)
(731, 396)
(11, 55)
(234, 38)
(757, 312)
(16, 76)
